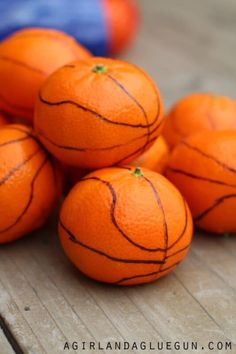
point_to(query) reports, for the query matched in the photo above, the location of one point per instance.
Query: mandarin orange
(155, 158)
(28, 188)
(199, 112)
(125, 226)
(26, 58)
(203, 167)
(98, 112)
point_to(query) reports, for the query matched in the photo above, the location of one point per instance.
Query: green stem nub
(100, 69)
(138, 172)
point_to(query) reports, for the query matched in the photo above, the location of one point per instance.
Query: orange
(3, 119)
(26, 58)
(199, 112)
(122, 18)
(28, 189)
(125, 226)
(203, 167)
(155, 158)
(98, 112)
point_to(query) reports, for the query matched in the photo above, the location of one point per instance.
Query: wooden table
(186, 46)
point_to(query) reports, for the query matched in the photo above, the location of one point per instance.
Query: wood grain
(187, 46)
(5, 346)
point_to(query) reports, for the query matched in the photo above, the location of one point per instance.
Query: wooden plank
(15, 321)
(108, 314)
(123, 312)
(177, 315)
(5, 346)
(57, 266)
(212, 293)
(45, 301)
(29, 304)
(113, 303)
(228, 243)
(58, 301)
(113, 316)
(215, 255)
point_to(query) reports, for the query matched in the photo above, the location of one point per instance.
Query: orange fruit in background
(98, 112)
(122, 22)
(26, 58)
(203, 168)
(28, 189)
(125, 226)
(155, 158)
(199, 112)
(3, 119)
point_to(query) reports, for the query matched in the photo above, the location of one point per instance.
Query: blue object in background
(83, 19)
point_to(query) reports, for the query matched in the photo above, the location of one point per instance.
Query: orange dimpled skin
(155, 158)
(98, 112)
(26, 59)
(203, 167)
(125, 226)
(199, 112)
(28, 188)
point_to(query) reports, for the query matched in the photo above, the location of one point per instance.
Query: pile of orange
(201, 130)
(99, 122)
(198, 113)
(203, 167)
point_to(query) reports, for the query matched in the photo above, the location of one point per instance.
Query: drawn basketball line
(115, 223)
(19, 129)
(73, 238)
(165, 226)
(217, 203)
(183, 135)
(84, 149)
(113, 218)
(29, 135)
(159, 263)
(30, 199)
(208, 114)
(94, 113)
(184, 228)
(191, 175)
(179, 251)
(218, 162)
(138, 104)
(22, 64)
(146, 274)
(139, 150)
(149, 133)
(18, 167)
(69, 66)
(11, 142)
